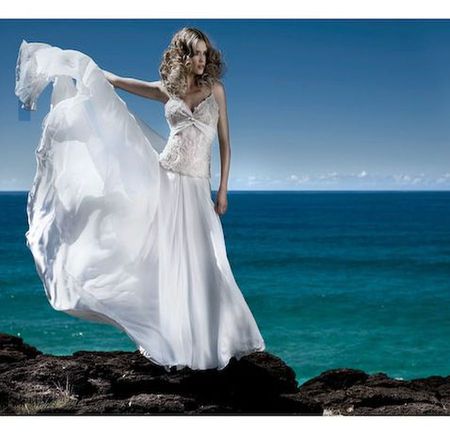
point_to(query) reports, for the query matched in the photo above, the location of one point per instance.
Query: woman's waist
(187, 170)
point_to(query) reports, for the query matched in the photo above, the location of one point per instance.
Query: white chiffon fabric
(118, 235)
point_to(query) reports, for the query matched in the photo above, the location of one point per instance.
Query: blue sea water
(334, 279)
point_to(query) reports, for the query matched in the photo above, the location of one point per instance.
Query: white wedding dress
(122, 234)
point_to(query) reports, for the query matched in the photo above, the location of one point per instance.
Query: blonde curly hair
(176, 64)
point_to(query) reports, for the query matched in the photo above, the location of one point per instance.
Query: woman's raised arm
(152, 90)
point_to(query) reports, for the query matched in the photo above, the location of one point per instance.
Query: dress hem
(169, 367)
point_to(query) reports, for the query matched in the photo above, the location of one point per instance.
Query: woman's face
(198, 60)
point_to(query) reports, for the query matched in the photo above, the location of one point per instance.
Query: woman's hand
(221, 202)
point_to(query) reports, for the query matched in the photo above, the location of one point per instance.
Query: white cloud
(362, 180)
(329, 176)
(362, 174)
(401, 178)
(9, 184)
(444, 178)
(295, 179)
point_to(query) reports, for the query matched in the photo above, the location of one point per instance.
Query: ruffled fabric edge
(29, 84)
(177, 367)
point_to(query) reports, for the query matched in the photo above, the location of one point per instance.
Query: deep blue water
(334, 279)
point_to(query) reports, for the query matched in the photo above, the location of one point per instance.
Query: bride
(122, 234)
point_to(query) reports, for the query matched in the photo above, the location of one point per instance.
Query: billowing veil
(96, 188)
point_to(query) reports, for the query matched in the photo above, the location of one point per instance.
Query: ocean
(334, 279)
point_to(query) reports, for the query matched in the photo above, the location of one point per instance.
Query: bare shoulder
(218, 88)
(219, 91)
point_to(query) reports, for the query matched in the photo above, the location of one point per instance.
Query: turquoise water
(334, 279)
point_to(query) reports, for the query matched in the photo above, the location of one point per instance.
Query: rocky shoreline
(126, 383)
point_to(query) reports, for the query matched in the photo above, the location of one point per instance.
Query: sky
(313, 104)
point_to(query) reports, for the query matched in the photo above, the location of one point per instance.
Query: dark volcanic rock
(13, 349)
(354, 392)
(121, 383)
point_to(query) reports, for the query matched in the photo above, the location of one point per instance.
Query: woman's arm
(224, 146)
(152, 90)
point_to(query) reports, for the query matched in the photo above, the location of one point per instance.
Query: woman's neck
(191, 82)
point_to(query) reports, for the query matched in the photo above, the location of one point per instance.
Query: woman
(202, 69)
(121, 234)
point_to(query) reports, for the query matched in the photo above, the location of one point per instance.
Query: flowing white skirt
(116, 237)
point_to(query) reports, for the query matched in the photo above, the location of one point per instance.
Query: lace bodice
(188, 149)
